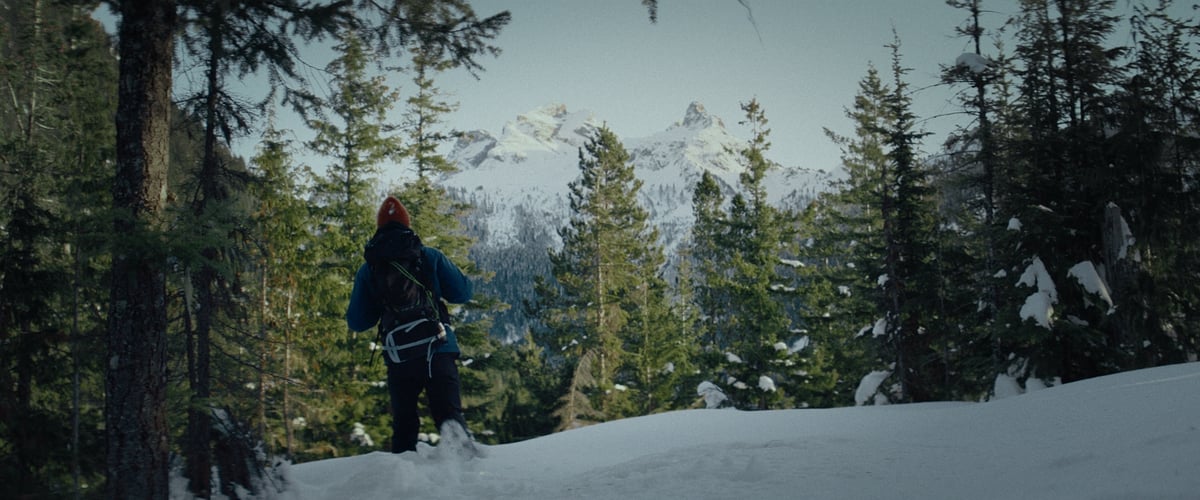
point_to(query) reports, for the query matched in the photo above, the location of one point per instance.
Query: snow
(712, 394)
(880, 327)
(523, 173)
(798, 345)
(1006, 386)
(1130, 435)
(1127, 239)
(973, 62)
(869, 386)
(1040, 305)
(1085, 272)
(1040, 308)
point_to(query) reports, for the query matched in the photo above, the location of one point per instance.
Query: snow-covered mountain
(518, 183)
(518, 180)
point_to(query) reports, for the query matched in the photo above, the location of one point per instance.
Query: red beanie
(391, 211)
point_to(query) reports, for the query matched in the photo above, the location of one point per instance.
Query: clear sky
(802, 59)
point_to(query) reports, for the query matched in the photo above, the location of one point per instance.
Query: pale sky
(802, 59)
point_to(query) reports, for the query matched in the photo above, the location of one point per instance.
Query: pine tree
(758, 320)
(1150, 151)
(357, 139)
(56, 136)
(740, 293)
(280, 218)
(608, 268)
(834, 306)
(437, 216)
(1060, 179)
(708, 249)
(855, 239)
(908, 283)
(975, 180)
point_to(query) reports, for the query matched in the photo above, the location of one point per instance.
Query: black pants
(439, 378)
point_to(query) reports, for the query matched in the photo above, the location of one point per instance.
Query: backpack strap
(428, 293)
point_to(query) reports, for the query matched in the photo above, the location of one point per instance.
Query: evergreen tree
(887, 209)
(280, 218)
(974, 180)
(758, 319)
(848, 236)
(357, 140)
(56, 137)
(908, 283)
(833, 305)
(436, 216)
(1149, 276)
(708, 249)
(609, 267)
(740, 286)
(1058, 195)
(225, 40)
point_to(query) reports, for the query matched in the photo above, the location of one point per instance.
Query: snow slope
(1130, 435)
(524, 172)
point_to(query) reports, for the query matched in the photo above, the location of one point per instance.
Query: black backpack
(412, 318)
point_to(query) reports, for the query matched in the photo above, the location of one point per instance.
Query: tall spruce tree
(56, 138)
(608, 267)
(1061, 178)
(136, 377)
(740, 286)
(851, 222)
(974, 179)
(357, 139)
(280, 219)
(708, 249)
(758, 320)
(1150, 271)
(908, 282)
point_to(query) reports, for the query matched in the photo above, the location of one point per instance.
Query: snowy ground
(1134, 435)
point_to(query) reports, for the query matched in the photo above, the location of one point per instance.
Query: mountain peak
(697, 117)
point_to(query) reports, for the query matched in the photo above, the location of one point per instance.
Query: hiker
(404, 278)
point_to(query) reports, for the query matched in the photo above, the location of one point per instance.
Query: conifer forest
(169, 309)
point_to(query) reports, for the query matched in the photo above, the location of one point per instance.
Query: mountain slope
(518, 182)
(524, 172)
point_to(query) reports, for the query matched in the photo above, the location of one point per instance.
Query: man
(430, 367)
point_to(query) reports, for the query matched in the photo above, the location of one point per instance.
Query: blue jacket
(448, 282)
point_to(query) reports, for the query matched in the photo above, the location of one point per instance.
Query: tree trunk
(136, 369)
(263, 356)
(287, 371)
(1118, 271)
